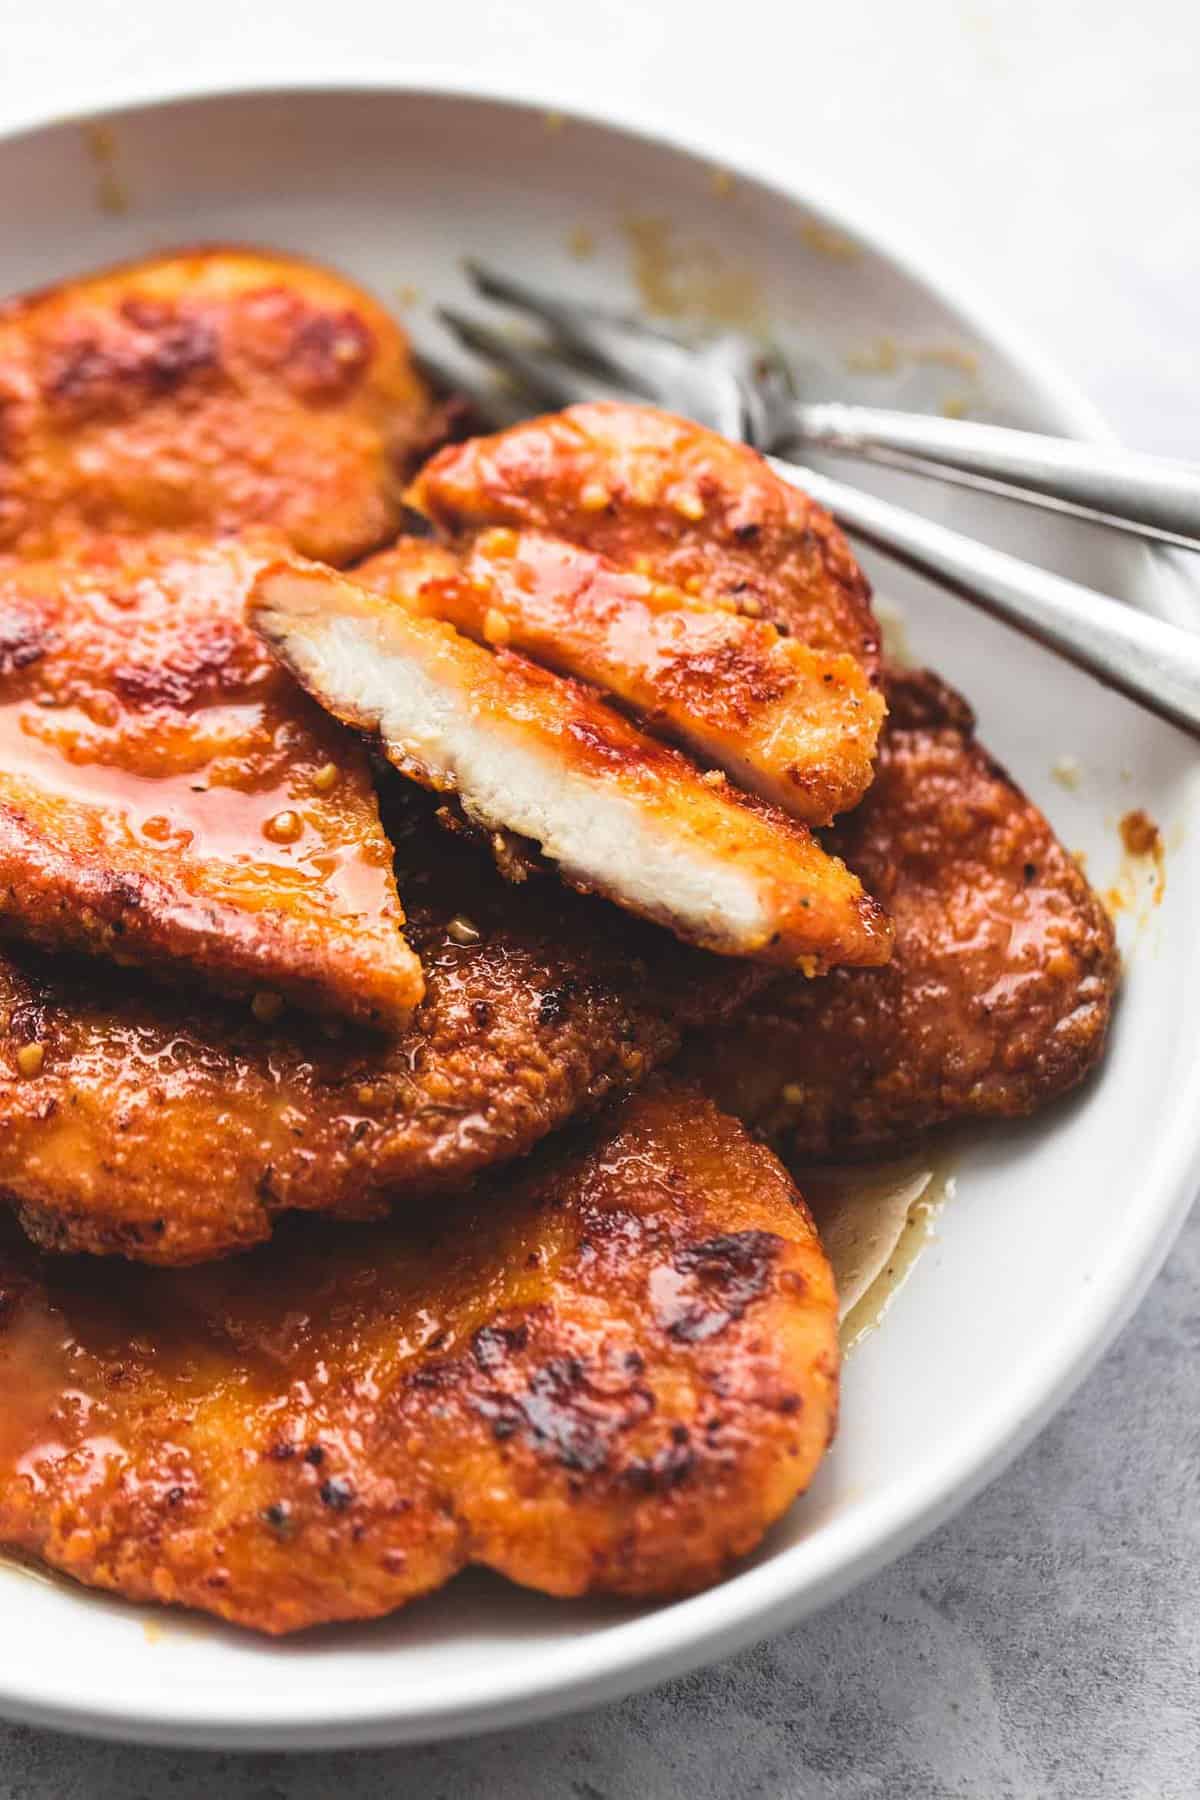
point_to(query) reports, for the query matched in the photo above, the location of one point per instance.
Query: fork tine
(448, 379)
(637, 356)
(509, 290)
(559, 314)
(552, 379)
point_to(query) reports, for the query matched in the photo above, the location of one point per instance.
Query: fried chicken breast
(168, 798)
(206, 390)
(999, 992)
(530, 752)
(607, 1374)
(795, 726)
(668, 499)
(131, 1126)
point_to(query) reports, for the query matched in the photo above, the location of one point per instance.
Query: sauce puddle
(874, 1221)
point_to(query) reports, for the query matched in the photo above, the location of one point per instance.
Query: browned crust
(812, 911)
(999, 994)
(206, 388)
(796, 726)
(173, 1138)
(686, 505)
(51, 897)
(609, 1376)
(148, 743)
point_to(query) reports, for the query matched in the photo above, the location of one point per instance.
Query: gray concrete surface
(1046, 1643)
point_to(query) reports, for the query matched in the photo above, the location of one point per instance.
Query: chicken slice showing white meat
(531, 752)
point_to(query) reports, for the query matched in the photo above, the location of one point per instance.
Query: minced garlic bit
(496, 628)
(957, 406)
(102, 710)
(827, 242)
(793, 1093)
(325, 777)
(266, 1007)
(690, 506)
(713, 778)
(284, 828)
(460, 930)
(31, 1058)
(1066, 771)
(880, 358)
(594, 496)
(750, 607)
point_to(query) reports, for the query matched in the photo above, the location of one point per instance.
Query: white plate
(1057, 1227)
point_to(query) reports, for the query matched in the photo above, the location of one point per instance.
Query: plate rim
(676, 1637)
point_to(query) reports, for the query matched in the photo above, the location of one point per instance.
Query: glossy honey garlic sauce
(164, 787)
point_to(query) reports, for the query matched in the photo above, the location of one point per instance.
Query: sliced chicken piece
(665, 497)
(169, 799)
(794, 725)
(132, 1127)
(204, 391)
(999, 994)
(607, 1375)
(530, 752)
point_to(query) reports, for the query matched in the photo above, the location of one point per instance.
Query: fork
(732, 387)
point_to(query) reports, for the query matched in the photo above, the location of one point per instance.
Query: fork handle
(1154, 496)
(1154, 663)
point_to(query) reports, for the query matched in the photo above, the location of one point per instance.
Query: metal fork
(733, 388)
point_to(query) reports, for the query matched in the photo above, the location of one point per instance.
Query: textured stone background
(1046, 1643)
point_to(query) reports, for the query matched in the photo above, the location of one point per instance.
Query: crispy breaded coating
(168, 798)
(607, 1374)
(206, 390)
(998, 996)
(131, 1126)
(795, 726)
(668, 498)
(530, 752)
